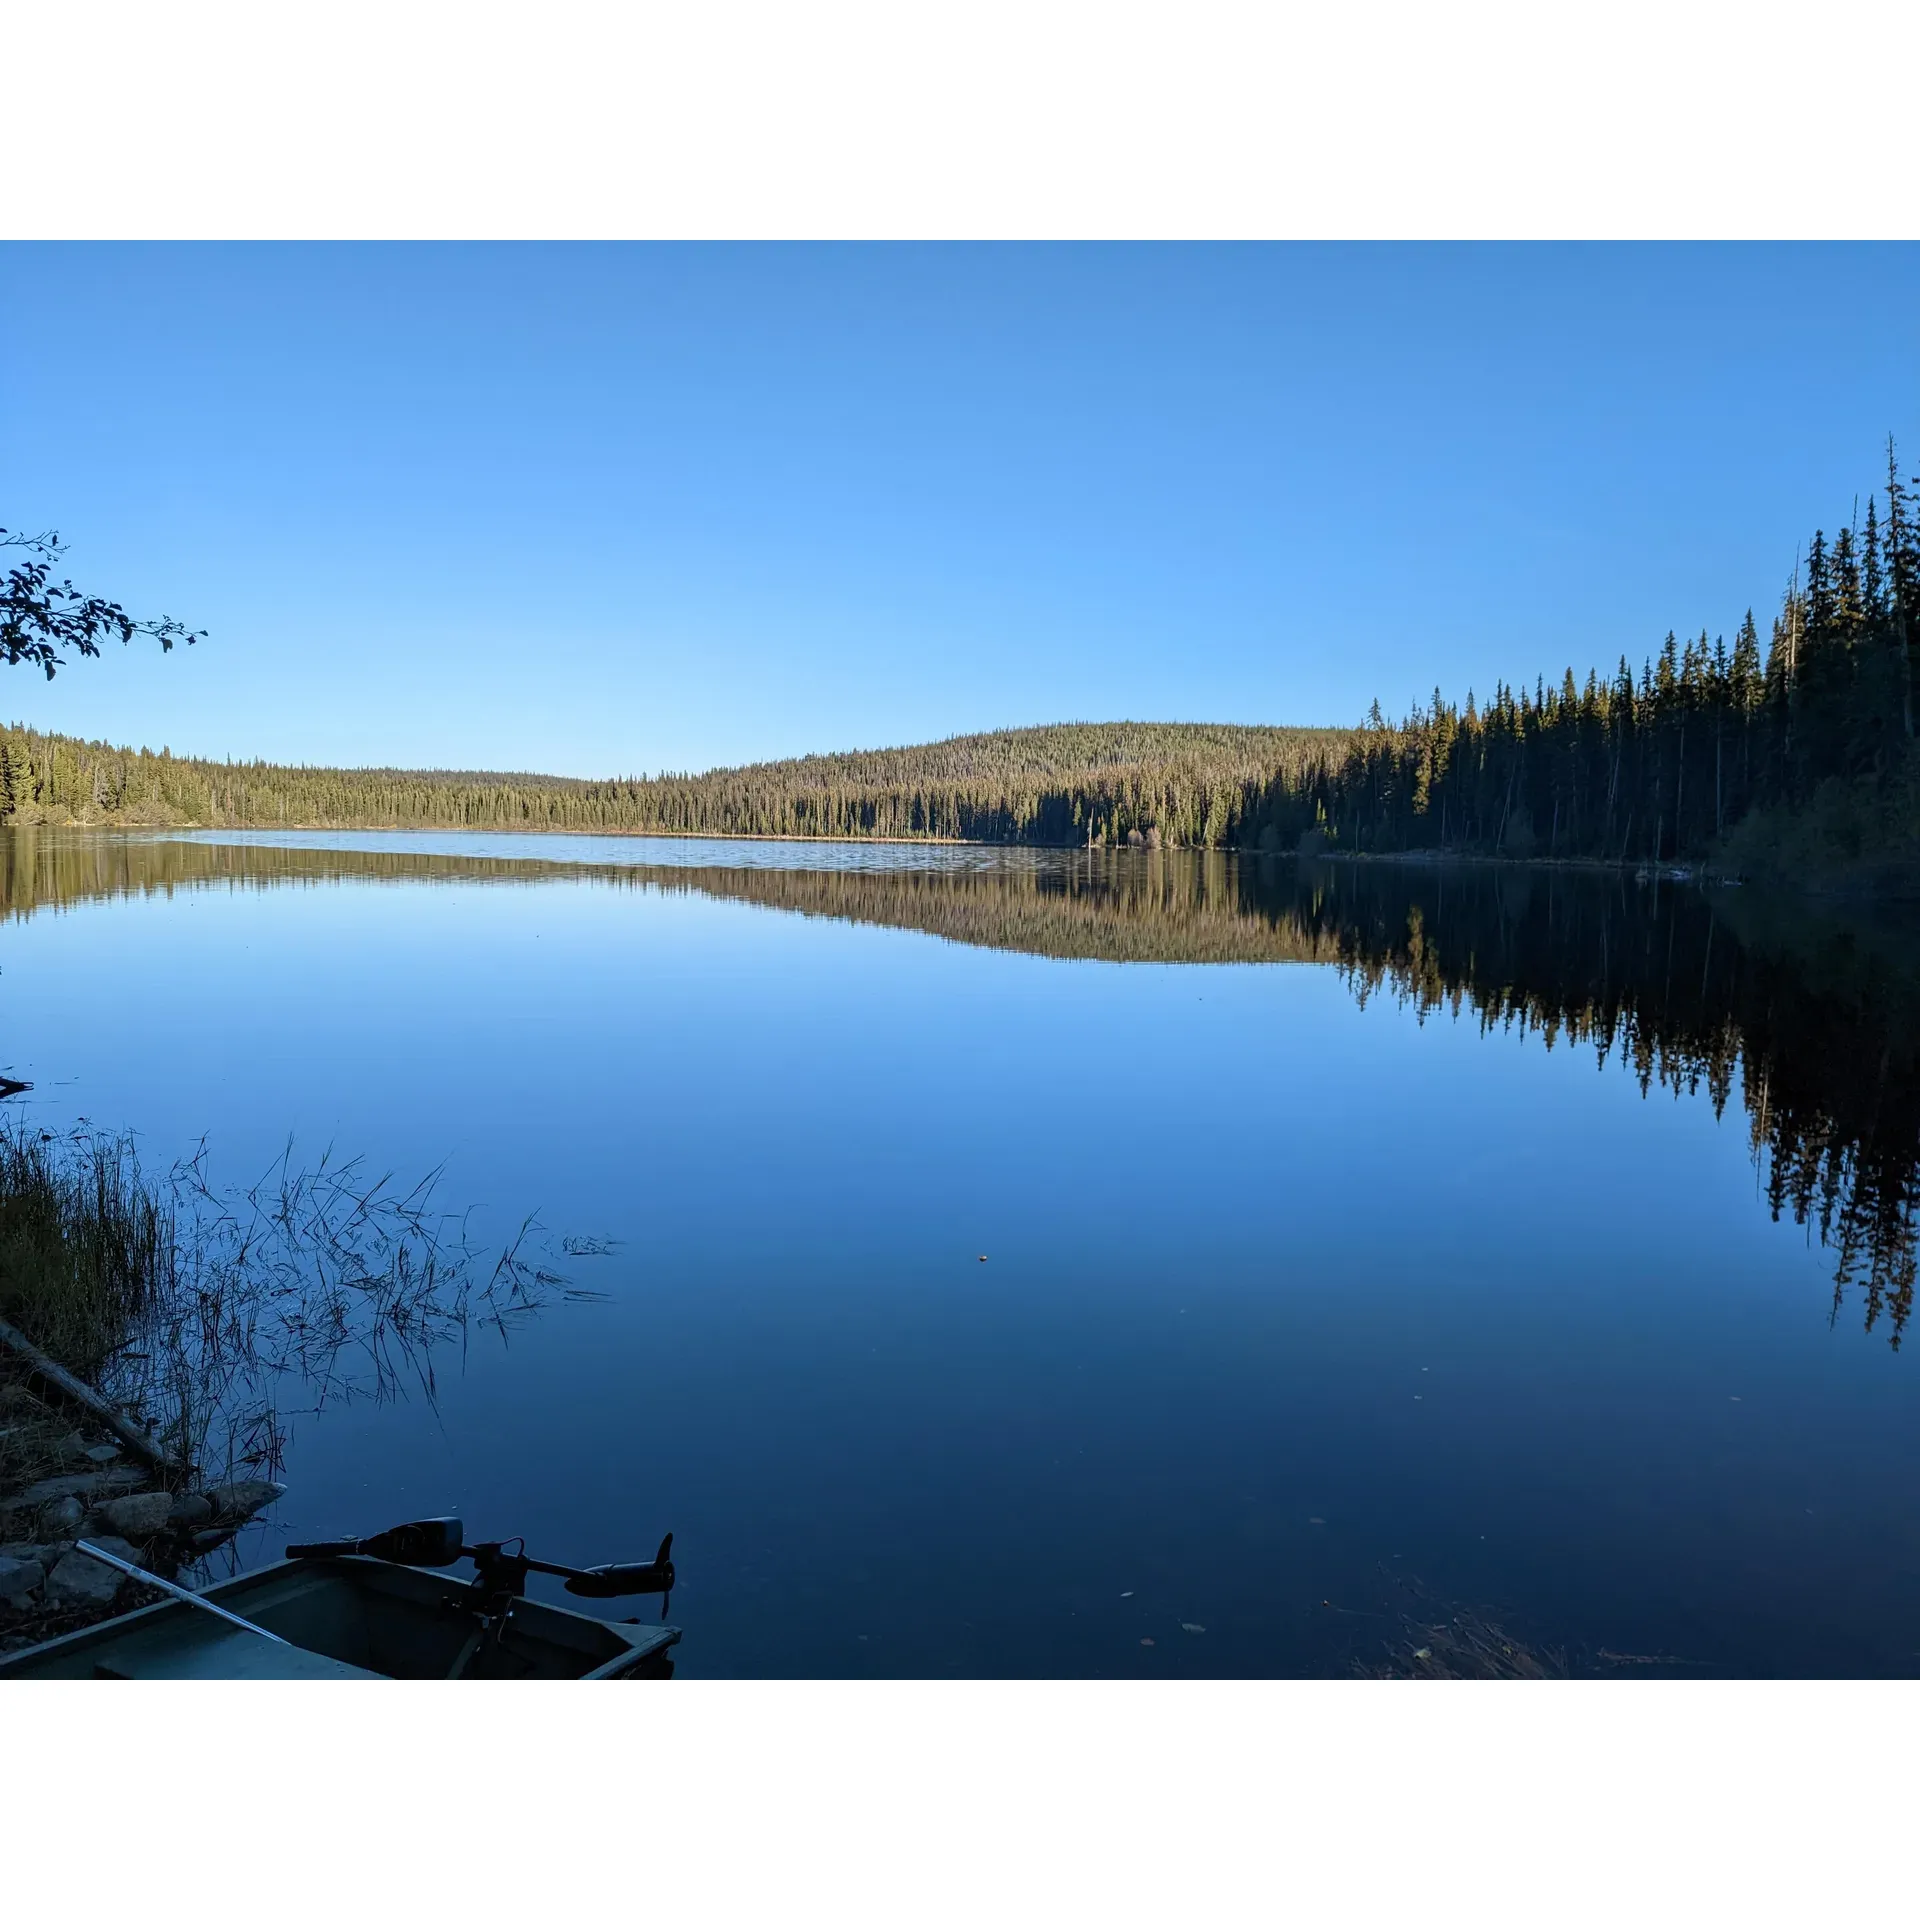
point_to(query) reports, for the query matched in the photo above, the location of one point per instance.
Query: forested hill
(1184, 785)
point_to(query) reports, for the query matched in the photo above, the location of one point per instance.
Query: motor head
(419, 1543)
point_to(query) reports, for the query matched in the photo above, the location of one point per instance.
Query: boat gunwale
(643, 1643)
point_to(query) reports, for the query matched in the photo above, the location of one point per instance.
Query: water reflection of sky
(834, 856)
(1256, 1257)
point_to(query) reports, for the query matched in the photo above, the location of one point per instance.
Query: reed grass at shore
(205, 1311)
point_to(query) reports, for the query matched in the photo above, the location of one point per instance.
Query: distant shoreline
(568, 833)
(1856, 888)
(1413, 856)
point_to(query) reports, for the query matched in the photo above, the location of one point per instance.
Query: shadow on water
(1812, 1021)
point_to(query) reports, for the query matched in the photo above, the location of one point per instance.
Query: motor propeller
(633, 1576)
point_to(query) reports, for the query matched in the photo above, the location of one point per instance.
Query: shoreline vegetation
(179, 1321)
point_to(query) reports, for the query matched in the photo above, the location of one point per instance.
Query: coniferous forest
(1799, 749)
(1052, 786)
(1794, 752)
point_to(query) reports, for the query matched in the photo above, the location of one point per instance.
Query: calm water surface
(1339, 1226)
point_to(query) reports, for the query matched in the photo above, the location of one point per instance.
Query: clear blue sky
(614, 509)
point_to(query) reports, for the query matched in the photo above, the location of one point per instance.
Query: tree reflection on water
(1811, 1015)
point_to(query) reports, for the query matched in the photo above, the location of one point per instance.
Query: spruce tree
(1903, 583)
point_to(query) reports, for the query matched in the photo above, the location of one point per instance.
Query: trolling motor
(438, 1543)
(500, 1576)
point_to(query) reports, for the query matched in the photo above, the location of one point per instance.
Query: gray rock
(20, 1579)
(45, 1553)
(138, 1515)
(242, 1499)
(79, 1580)
(103, 1455)
(83, 1486)
(191, 1510)
(62, 1519)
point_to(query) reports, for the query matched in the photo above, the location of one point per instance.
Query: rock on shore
(79, 1580)
(20, 1579)
(238, 1500)
(138, 1516)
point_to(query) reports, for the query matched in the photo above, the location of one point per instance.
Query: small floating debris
(1146, 1643)
(1191, 1626)
(1128, 1595)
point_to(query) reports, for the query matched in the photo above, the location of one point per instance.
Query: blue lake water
(1310, 1307)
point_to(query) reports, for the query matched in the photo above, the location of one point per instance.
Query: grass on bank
(87, 1244)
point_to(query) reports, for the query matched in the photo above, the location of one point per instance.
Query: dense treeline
(1181, 785)
(1709, 738)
